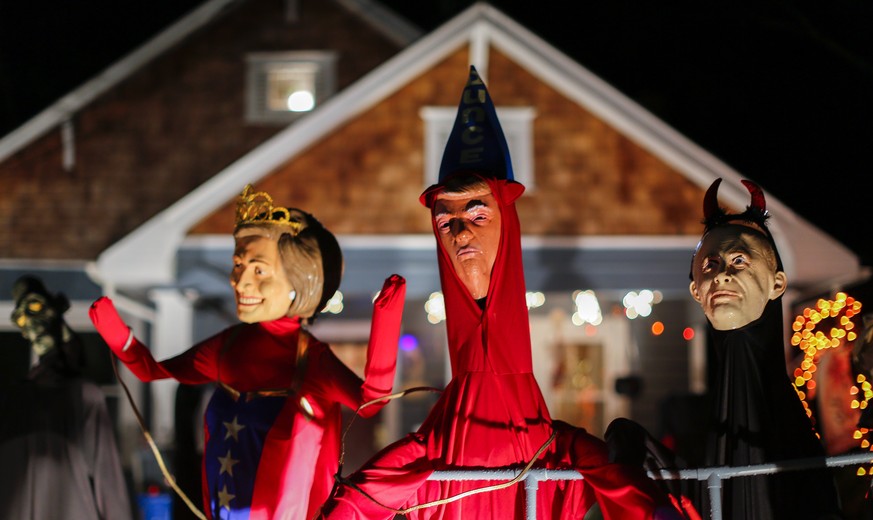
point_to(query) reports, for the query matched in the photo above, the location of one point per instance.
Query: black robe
(759, 418)
(57, 444)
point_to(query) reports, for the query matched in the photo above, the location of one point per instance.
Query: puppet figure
(738, 279)
(492, 413)
(57, 441)
(272, 427)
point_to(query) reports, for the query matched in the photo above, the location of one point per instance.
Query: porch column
(171, 335)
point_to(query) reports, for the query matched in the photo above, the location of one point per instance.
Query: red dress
(492, 415)
(265, 458)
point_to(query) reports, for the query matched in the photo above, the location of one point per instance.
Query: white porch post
(171, 335)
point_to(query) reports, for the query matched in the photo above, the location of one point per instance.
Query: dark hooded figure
(39, 315)
(57, 441)
(492, 413)
(738, 279)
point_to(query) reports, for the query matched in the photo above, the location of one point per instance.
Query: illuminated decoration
(435, 306)
(640, 304)
(688, 333)
(534, 299)
(335, 304)
(812, 342)
(408, 343)
(861, 394)
(836, 314)
(657, 328)
(587, 309)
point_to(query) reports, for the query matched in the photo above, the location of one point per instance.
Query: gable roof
(147, 255)
(384, 20)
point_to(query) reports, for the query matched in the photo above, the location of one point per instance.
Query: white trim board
(147, 255)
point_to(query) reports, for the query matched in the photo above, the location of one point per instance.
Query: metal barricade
(531, 481)
(713, 476)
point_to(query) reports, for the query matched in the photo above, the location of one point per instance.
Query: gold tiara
(257, 208)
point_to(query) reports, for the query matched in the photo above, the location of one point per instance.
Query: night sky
(781, 91)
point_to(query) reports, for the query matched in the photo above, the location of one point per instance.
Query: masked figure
(492, 413)
(272, 427)
(738, 279)
(57, 441)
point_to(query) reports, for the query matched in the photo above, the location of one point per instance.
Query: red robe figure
(492, 413)
(272, 427)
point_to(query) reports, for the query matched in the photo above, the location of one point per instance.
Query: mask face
(37, 319)
(735, 276)
(469, 229)
(260, 285)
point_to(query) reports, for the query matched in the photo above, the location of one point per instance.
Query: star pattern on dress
(227, 463)
(233, 429)
(224, 498)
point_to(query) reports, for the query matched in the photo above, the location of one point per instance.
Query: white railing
(713, 476)
(531, 481)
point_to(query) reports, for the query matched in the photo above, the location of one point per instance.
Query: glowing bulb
(587, 308)
(408, 343)
(435, 308)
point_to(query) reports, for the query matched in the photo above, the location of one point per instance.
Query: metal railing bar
(712, 475)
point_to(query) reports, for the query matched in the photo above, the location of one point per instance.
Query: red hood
(503, 325)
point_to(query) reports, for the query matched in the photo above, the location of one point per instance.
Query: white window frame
(258, 66)
(517, 125)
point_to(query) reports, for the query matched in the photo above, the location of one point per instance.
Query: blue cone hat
(477, 142)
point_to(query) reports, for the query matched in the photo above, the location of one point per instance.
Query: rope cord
(389, 397)
(148, 436)
(494, 487)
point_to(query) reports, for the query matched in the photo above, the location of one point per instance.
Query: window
(282, 86)
(517, 125)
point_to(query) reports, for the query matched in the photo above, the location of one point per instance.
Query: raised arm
(384, 342)
(195, 366)
(338, 383)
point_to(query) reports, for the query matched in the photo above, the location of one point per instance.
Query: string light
(638, 304)
(587, 309)
(534, 299)
(812, 342)
(688, 333)
(435, 308)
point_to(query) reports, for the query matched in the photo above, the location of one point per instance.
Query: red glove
(109, 324)
(392, 294)
(384, 339)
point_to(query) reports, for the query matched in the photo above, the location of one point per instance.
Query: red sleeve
(337, 382)
(195, 366)
(331, 379)
(384, 341)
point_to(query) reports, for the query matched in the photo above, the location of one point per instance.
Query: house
(127, 187)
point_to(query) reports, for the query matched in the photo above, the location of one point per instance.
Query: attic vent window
(283, 86)
(517, 125)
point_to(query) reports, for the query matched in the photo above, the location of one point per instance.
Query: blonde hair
(311, 258)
